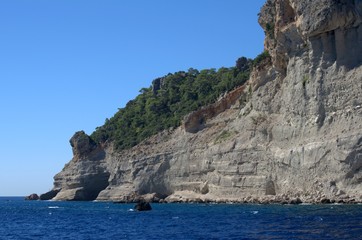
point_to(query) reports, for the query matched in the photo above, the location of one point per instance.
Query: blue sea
(21, 219)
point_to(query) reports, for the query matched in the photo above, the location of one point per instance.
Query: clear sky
(67, 65)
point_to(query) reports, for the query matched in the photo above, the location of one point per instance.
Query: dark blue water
(21, 219)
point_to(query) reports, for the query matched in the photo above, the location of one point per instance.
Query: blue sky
(67, 65)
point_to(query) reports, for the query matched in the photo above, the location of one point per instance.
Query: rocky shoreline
(294, 201)
(190, 197)
(278, 199)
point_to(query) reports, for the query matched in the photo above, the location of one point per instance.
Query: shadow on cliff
(354, 160)
(83, 178)
(156, 182)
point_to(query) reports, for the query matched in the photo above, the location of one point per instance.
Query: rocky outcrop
(143, 206)
(86, 175)
(157, 85)
(295, 135)
(82, 145)
(49, 195)
(33, 196)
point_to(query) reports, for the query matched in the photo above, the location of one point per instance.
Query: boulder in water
(33, 196)
(143, 206)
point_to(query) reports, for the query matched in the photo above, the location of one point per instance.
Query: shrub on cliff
(167, 101)
(261, 57)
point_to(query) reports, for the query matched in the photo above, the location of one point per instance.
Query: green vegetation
(250, 90)
(305, 80)
(167, 101)
(261, 57)
(269, 30)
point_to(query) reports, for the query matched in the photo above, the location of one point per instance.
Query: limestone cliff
(294, 131)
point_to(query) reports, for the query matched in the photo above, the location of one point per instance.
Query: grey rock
(295, 201)
(86, 175)
(298, 136)
(82, 145)
(158, 84)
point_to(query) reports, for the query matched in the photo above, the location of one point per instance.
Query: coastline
(258, 201)
(265, 200)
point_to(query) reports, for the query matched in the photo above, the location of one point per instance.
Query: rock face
(295, 135)
(195, 121)
(49, 195)
(86, 175)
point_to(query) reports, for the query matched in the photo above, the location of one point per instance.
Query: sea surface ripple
(21, 219)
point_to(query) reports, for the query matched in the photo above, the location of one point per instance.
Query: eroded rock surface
(295, 135)
(86, 174)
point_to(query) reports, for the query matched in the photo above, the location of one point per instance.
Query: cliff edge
(293, 132)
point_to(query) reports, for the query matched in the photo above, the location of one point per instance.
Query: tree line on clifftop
(164, 104)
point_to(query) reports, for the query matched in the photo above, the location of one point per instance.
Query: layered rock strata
(295, 135)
